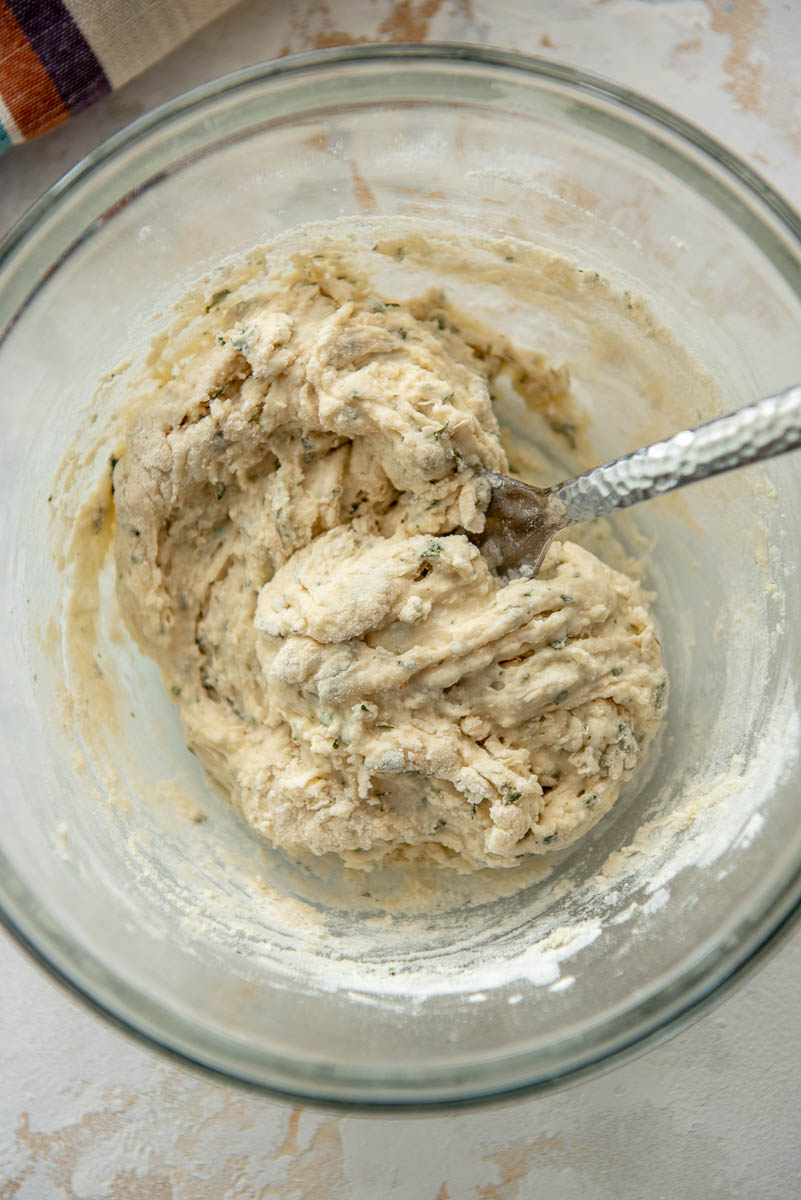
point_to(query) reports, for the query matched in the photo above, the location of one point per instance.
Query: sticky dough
(292, 508)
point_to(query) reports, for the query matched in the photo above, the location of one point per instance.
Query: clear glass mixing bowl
(183, 930)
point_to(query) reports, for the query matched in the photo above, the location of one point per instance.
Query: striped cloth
(59, 56)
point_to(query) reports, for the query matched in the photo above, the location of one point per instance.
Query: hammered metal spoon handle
(521, 520)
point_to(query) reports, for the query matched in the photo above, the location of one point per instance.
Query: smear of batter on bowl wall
(292, 510)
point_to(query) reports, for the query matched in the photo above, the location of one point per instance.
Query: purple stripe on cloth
(62, 50)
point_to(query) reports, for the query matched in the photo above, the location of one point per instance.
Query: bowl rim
(584, 82)
(59, 954)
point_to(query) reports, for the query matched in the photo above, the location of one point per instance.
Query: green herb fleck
(551, 837)
(217, 297)
(510, 797)
(566, 430)
(591, 800)
(176, 691)
(565, 598)
(220, 490)
(560, 697)
(660, 693)
(440, 322)
(431, 549)
(335, 743)
(401, 334)
(617, 671)
(384, 725)
(365, 708)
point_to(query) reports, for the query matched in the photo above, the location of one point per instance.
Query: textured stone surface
(87, 1115)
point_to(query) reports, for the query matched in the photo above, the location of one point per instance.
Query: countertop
(86, 1114)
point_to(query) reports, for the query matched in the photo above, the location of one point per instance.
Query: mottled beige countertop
(86, 1114)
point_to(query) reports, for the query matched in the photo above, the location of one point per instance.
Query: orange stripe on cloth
(27, 90)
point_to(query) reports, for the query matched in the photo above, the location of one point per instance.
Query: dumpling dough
(291, 550)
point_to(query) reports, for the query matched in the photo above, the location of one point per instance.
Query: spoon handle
(761, 430)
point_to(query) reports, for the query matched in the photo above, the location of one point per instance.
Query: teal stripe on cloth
(5, 140)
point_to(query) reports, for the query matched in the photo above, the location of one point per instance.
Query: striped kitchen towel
(59, 56)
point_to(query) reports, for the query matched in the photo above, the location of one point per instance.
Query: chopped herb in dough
(292, 511)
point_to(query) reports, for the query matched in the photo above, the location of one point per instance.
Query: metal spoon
(521, 520)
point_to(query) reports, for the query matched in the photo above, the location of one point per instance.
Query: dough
(290, 548)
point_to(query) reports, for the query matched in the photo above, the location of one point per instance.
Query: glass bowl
(120, 866)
